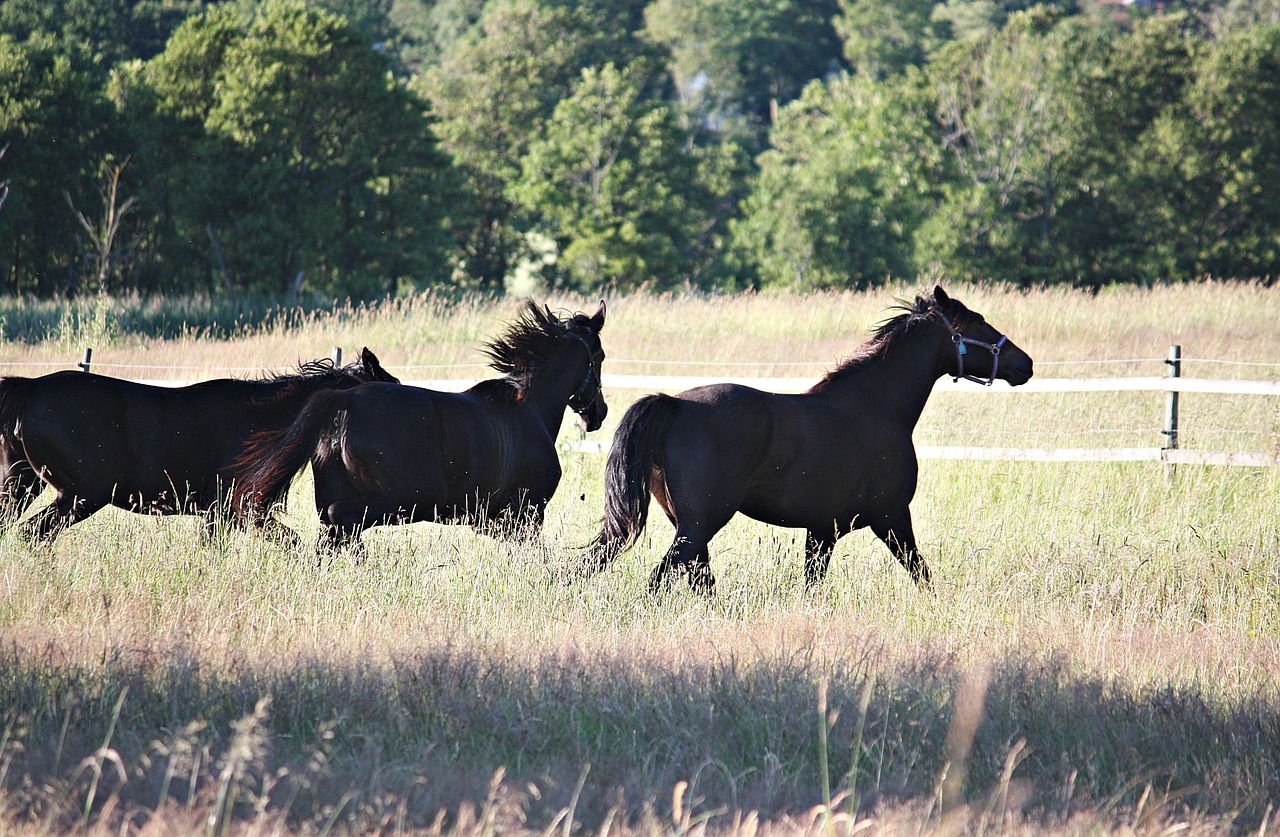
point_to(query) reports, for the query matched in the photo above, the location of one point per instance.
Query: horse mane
(887, 334)
(529, 342)
(307, 376)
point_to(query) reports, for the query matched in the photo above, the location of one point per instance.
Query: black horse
(102, 441)
(392, 454)
(836, 458)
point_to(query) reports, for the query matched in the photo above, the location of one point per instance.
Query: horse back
(96, 434)
(436, 449)
(792, 458)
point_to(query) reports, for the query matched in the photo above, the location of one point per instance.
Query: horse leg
(278, 533)
(64, 511)
(343, 522)
(20, 485)
(818, 547)
(522, 523)
(701, 581)
(688, 553)
(699, 567)
(897, 534)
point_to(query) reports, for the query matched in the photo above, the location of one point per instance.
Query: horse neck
(901, 377)
(549, 390)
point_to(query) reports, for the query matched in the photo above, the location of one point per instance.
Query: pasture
(1100, 651)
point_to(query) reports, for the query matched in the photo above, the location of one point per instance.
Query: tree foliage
(363, 147)
(54, 127)
(736, 61)
(305, 162)
(845, 186)
(615, 182)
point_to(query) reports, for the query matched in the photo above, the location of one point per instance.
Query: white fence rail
(1171, 386)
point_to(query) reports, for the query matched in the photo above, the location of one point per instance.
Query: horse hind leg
(20, 485)
(687, 554)
(342, 523)
(701, 580)
(65, 511)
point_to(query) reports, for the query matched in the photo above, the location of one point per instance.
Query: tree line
(358, 148)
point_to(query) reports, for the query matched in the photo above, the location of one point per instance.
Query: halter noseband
(590, 379)
(962, 342)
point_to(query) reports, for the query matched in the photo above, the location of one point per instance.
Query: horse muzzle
(594, 417)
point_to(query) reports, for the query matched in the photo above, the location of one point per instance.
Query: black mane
(309, 375)
(887, 334)
(529, 342)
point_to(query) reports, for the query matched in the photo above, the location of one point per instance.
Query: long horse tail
(15, 392)
(272, 458)
(635, 452)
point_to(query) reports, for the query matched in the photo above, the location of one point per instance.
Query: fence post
(1171, 402)
(84, 364)
(335, 354)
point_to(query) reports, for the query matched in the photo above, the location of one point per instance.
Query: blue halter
(962, 343)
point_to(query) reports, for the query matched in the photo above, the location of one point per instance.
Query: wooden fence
(1173, 386)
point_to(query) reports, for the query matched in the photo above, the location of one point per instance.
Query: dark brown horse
(836, 458)
(385, 454)
(102, 441)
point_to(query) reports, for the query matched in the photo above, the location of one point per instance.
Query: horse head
(981, 352)
(588, 399)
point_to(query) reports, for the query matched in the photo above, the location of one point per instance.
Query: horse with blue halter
(830, 460)
(384, 454)
(100, 441)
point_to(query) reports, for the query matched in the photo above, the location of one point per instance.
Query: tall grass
(1122, 620)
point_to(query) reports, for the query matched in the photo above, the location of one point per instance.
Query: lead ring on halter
(961, 341)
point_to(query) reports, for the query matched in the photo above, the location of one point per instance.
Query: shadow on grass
(419, 739)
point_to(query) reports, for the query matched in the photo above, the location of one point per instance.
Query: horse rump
(272, 458)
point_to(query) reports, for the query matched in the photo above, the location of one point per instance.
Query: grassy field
(1101, 651)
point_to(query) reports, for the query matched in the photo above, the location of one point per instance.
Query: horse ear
(373, 367)
(597, 319)
(940, 296)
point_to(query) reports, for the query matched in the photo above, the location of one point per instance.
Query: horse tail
(271, 458)
(15, 392)
(632, 458)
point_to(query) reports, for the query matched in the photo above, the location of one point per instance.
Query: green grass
(1116, 627)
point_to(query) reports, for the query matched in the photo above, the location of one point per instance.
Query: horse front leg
(818, 547)
(897, 534)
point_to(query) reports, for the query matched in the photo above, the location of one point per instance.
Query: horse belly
(803, 491)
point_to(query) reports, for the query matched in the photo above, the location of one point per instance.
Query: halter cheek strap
(588, 380)
(962, 343)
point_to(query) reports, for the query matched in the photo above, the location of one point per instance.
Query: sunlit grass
(1126, 616)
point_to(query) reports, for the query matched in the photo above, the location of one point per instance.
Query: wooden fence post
(335, 354)
(84, 364)
(1170, 431)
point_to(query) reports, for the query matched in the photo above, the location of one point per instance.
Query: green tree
(844, 187)
(493, 92)
(1007, 108)
(1236, 15)
(884, 37)
(114, 30)
(1124, 83)
(1217, 156)
(614, 181)
(55, 126)
(306, 161)
(740, 61)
